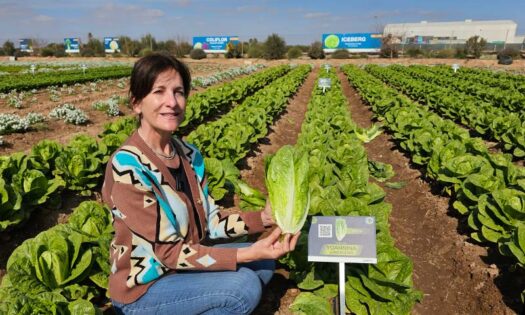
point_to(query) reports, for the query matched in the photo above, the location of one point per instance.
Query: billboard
(214, 44)
(353, 42)
(111, 44)
(72, 45)
(25, 45)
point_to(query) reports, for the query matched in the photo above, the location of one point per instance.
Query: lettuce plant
(287, 182)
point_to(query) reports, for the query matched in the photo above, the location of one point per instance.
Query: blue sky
(299, 22)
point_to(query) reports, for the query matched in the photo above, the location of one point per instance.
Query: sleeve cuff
(253, 221)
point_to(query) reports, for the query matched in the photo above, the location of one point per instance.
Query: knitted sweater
(158, 229)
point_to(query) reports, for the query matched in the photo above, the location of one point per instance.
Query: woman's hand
(269, 247)
(266, 214)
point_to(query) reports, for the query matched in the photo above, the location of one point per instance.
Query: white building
(501, 31)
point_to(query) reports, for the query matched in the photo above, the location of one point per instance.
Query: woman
(156, 188)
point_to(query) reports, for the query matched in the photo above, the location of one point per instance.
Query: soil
(456, 275)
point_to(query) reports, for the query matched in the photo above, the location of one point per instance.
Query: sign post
(325, 83)
(84, 67)
(342, 240)
(455, 67)
(32, 68)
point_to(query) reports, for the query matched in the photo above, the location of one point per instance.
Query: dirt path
(456, 276)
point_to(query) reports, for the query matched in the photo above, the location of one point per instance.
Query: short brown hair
(148, 68)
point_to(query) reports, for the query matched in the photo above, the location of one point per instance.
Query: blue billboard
(111, 44)
(353, 42)
(214, 44)
(72, 45)
(25, 45)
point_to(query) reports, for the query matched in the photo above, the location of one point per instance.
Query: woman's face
(163, 108)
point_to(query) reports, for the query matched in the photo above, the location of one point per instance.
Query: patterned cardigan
(159, 229)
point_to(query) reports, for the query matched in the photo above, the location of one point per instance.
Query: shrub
(514, 53)
(59, 53)
(197, 54)
(340, 54)
(233, 51)
(294, 53)
(274, 47)
(414, 52)
(255, 51)
(474, 46)
(444, 53)
(47, 52)
(145, 51)
(316, 51)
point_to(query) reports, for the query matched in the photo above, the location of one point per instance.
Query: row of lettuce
(448, 97)
(64, 270)
(488, 189)
(32, 180)
(339, 185)
(29, 81)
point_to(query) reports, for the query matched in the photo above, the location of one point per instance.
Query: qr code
(325, 231)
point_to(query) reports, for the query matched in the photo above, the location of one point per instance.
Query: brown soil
(455, 275)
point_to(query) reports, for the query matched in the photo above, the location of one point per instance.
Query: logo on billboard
(331, 41)
(111, 44)
(72, 45)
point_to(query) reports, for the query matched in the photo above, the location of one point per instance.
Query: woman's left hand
(266, 214)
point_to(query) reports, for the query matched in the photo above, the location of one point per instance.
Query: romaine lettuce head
(287, 182)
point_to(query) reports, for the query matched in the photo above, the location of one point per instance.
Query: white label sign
(342, 239)
(455, 67)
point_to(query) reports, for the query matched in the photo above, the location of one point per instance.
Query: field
(457, 203)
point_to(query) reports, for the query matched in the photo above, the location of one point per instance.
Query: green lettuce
(287, 182)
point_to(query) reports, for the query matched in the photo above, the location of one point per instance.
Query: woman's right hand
(269, 247)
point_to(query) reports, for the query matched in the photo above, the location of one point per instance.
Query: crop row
(511, 100)
(496, 123)
(339, 186)
(487, 188)
(29, 81)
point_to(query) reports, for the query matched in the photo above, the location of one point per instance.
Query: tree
(316, 50)
(388, 49)
(9, 48)
(294, 52)
(233, 51)
(148, 41)
(274, 47)
(94, 47)
(474, 46)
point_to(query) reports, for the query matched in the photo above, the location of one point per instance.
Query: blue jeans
(205, 292)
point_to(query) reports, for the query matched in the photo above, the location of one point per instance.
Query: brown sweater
(159, 229)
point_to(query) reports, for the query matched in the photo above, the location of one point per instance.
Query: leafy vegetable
(287, 184)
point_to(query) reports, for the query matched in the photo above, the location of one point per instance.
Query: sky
(298, 22)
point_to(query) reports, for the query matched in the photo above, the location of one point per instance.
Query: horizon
(299, 23)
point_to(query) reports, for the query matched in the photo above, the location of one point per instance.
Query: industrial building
(496, 32)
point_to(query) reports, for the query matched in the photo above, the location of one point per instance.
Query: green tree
(94, 47)
(294, 53)
(274, 47)
(474, 46)
(9, 48)
(233, 51)
(148, 41)
(316, 50)
(388, 49)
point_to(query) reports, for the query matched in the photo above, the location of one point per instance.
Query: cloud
(251, 9)
(183, 3)
(43, 18)
(128, 12)
(316, 15)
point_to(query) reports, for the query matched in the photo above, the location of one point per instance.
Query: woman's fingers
(294, 240)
